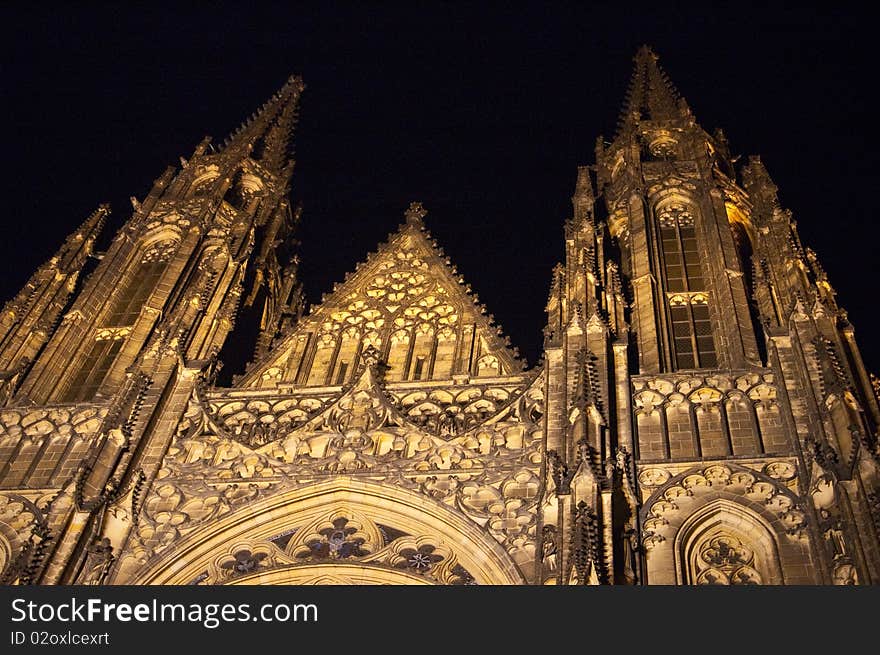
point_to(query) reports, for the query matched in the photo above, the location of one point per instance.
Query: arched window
(128, 301)
(680, 255)
(204, 181)
(726, 544)
(126, 305)
(94, 368)
(685, 286)
(244, 192)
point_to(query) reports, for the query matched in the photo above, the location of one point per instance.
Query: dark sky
(481, 113)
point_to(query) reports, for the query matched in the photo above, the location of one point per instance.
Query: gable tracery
(401, 311)
(257, 421)
(404, 303)
(451, 411)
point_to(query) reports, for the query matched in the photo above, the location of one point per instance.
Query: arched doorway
(345, 530)
(726, 544)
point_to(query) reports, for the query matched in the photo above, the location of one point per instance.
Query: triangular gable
(407, 302)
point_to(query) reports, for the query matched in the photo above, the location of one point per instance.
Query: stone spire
(277, 154)
(583, 198)
(28, 320)
(266, 134)
(651, 95)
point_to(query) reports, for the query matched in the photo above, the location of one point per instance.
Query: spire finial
(645, 52)
(415, 213)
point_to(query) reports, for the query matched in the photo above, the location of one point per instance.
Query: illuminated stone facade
(700, 415)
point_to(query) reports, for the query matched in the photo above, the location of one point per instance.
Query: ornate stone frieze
(231, 449)
(677, 497)
(24, 535)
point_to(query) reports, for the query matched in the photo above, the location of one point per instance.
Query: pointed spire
(93, 224)
(277, 153)
(267, 133)
(28, 320)
(583, 198)
(759, 185)
(651, 95)
(70, 256)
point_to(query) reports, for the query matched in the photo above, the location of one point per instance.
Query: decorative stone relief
(61, 420)
(676, 499)
(403, 299)
(231, 449)
(23, 538)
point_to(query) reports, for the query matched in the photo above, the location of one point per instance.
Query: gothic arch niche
(726, 544)
(661, 145)
(20, 523)
(342, 531)
(244, 192)
(756, 507)
(148, 264)
(203, 183)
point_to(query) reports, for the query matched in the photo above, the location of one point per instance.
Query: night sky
(482, 114)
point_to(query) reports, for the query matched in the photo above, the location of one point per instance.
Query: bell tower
(168, 260)
(743, 370)
(673, 206)
(151, 319)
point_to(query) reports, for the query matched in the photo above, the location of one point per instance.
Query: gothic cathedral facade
(700, 415)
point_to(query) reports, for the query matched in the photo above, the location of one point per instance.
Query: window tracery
(687, 297)
(726, 560)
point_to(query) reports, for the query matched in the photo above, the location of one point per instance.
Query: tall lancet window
(686, 293)
(112, 331)
(129, 300)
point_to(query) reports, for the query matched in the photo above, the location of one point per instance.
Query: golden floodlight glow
(700, 414)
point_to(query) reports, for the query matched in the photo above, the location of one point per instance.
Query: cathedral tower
(136, 334)
(753, 415)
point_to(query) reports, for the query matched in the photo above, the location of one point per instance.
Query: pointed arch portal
(342, 531)
(725, 543)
